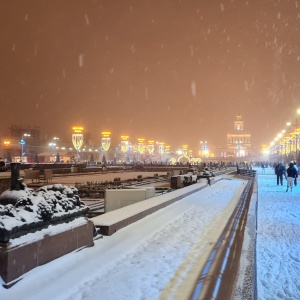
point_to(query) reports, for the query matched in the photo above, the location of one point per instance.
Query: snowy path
(140, 261)
(278, 239)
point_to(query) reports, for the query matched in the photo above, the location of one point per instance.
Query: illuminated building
(238, 141)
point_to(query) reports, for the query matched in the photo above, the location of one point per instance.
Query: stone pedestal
(23, 254)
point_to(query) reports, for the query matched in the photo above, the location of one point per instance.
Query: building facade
(21, 144)
(238, 140)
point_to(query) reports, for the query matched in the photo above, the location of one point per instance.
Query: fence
(246, 172)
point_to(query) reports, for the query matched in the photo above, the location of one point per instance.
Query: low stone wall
(4, 184)
(18, 257)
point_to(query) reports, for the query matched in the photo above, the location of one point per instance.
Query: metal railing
(246, 172)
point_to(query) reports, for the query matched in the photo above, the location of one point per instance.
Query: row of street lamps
(142, 145)
(285, 138)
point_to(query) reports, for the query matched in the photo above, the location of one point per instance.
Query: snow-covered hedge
(28, 210)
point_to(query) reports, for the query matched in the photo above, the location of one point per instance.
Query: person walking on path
(291, 175)
(296, 168)
(263, 168)
(280, 171)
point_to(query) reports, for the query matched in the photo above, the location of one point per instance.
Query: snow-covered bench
(32, 174)
(48, 175)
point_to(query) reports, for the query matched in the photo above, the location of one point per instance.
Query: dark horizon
(173, 71)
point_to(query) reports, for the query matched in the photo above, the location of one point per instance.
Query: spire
(239, 109)
(238, 123)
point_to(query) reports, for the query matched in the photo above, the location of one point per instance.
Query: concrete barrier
(112, 221)
(118, 198)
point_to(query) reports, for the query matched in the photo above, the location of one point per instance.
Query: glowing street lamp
(52, 145)
(179, 152)
(150, 147)
(290, 138)
(6, 145)
(77, 138)
(184, 150)
(295, 135)
(22, 142)
(124, 143)
(167, 149)
(141, 146)
(105, 141)
(161, 149)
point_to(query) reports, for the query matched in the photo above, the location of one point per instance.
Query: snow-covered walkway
(145, 260)
(149, 259)
(278, 239)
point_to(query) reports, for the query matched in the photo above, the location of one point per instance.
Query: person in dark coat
(291, 175)
(296, 168)
(280, 171)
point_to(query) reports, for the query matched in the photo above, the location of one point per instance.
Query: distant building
(11, 148)
(238, 140)
(31, 133)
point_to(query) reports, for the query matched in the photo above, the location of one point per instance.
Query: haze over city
(177, 71)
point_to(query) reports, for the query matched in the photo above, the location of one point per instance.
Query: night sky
(169, 70)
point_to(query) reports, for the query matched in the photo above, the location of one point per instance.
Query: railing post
(15, 176)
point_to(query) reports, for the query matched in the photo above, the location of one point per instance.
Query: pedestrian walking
(280, 172)
(291, 175)
(297, 169)
(263, 168)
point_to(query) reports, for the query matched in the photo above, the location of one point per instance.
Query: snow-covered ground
(278, 239)
(145, 260)
(148, 259)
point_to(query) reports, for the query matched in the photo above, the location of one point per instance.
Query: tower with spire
(238, 140)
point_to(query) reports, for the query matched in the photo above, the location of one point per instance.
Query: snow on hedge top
(44, 204)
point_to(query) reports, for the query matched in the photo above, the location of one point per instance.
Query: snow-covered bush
(34, 209)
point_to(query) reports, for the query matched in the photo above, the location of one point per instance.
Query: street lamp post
(290, 140)
(124, 145)
(285, 154)
(105, 142)
(296, 140)
(141, 148)
(6, 145)
(22, 142)
(52, 144)
(77, 139)
(150, 149)
(294, 135)
(161, 150)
